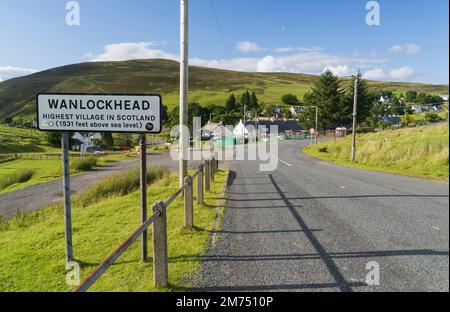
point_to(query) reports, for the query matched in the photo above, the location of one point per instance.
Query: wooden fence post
(207, 176)
(160, 257)
(200, 197)
(211, 170)
(188, 203)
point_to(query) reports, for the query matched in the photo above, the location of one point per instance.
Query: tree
(396, 107)
(253, 102)
(366, 99)
(245, 100)
(54, 138)
(231, 103)
(8, 120)
(290, 99)
(411, 96)
(329, 97)
(421, 98)
(108, 140)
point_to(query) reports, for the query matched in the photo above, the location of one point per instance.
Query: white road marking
(287, 164)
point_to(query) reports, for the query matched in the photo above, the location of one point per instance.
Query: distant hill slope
(207, 86)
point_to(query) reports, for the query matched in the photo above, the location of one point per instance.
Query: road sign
(99, 113)
(312, 131)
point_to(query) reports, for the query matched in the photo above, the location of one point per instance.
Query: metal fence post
(143, 154)
(160, 257)
(200, 198)
(188, 203)
(207, 176)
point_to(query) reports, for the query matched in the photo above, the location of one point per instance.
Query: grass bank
(419, 152)
(32, 246)
(48, 170)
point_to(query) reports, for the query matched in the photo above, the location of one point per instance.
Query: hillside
(421, 152)
(207, 86)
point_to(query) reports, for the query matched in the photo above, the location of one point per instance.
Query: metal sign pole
(66, 192)
(143, 150)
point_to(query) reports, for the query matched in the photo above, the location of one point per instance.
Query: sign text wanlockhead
(99, 113)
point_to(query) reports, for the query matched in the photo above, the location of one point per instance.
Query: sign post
(143, 150)
(118, 113)
(66, 192)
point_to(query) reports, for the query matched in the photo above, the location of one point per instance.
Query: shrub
(118, 185)
(432, 117)
(85, 163)
(20, 176)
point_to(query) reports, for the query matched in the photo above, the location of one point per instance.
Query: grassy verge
(48, 170)
(419, 152)
(32, 246)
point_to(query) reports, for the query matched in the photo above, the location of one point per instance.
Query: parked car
(124, 148)
(96, 151)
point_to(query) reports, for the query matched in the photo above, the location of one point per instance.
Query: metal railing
(204, 174)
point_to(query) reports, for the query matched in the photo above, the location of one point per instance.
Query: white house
(444, 97)
(385, 100)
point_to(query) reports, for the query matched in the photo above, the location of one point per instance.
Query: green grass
(84, 163)
(48, 170)
(32, 246)
(20, 176)
(18, 140)
(419, 152)
(207, 85)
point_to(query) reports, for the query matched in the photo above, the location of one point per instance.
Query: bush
(432, 117)
(20, 176)
(85, 163)
(119, 185)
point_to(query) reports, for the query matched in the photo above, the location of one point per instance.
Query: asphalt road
(41, 195)
(314, 226)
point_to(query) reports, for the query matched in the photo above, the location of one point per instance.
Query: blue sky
(411, 44)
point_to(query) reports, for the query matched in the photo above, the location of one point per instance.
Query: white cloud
(409, 49)
(130, 50)
(402, 73)
(8, 72)
(375, 74)
(248, 46)
(340, 70)
(297, 49)
(310, 61)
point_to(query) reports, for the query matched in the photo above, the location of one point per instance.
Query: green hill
(207, 86)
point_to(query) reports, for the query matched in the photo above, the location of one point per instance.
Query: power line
(220, 29)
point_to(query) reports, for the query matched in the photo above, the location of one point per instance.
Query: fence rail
(204, 174)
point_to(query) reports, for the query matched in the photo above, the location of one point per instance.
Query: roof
(211, 127)
(283, 125)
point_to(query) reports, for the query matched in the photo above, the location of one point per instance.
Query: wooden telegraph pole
(355, 116)
(184, 76)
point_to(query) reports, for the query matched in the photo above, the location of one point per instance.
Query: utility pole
(184, 76)
(355, 116)
(317, 122)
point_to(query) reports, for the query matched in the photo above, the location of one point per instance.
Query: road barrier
(206, 172)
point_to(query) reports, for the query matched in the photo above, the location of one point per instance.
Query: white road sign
(312, 131)
(99, 113)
